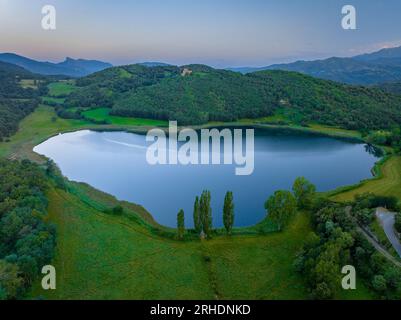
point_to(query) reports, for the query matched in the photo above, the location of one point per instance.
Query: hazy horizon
(221, 34)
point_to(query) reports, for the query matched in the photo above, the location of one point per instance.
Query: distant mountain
(13, 71)
(366, 69)
(389, 53)
(392, 87)
(245, 70)
(84, 67)
(154, 64)
(70, 67)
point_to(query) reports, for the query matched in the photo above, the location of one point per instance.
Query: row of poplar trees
(202, 215)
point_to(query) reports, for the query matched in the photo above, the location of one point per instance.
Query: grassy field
(101, 256)
(102, 114)
(53, 100)
(388, 183)
(61, 88)
(29, 83)
(34, 129)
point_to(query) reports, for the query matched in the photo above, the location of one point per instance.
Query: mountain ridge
(69, 67)
(366, 69)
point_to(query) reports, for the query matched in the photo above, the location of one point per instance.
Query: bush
(118, 210)
(379, 283)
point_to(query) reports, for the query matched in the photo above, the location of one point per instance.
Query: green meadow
(387, 182)
(103, 114)
(61, 88)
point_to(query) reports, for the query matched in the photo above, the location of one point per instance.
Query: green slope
(205, 94)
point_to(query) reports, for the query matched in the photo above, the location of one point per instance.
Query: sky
(220, 33)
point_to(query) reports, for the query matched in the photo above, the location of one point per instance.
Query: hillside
(70, 67)
(367, 69)
(15, 101)
(205, 94)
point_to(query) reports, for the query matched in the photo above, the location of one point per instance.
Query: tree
(10, 282)
(281, 207)
(379, 283)
(228, 212)
(118, 210)
(304, 191)
(197, 217)
(206, 212)
(180, 224)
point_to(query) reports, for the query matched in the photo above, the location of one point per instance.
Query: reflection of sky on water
(115, 162)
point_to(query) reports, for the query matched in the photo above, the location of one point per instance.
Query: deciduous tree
(304, 191)
(281, 207)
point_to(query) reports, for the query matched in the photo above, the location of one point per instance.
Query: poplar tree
(206, 213)
(180, 224)
(197, 217)
(228, 212)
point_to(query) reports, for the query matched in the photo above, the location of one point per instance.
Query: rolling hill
(366, 69)
(204, 94)
(69, 67)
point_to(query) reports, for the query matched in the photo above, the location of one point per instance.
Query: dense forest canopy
(196, 94)
(15, 101)
(26, 241)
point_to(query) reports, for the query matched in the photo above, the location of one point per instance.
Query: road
(379, 247)
(387, 220)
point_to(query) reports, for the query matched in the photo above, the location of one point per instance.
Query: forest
(336, 242)
(26, 241)
(206, 94)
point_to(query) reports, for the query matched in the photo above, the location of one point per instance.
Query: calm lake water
(115, 162)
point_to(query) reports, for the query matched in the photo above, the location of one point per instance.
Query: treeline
(208, 94)
(280, 209)
(336, 242)
(16, 102)
(11, 113)
(391, 138)
(202, 216)
(26, 241)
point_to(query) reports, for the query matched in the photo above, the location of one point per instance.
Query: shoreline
(342, 135)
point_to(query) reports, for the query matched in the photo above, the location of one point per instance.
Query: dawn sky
(220, 33)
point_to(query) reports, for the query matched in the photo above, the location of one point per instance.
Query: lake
(115, 162)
